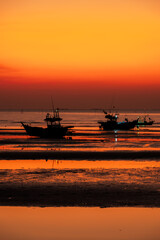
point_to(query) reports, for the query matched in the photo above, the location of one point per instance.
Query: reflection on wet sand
(63, 164)
(79, 223)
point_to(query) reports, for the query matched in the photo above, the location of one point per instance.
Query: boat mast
(52, 106)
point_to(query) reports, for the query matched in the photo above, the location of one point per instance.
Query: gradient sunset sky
(85, 54)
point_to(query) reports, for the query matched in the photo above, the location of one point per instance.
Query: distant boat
(142, 121)
(54, 128)
(113, 124)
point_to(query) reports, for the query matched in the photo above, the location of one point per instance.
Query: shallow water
(86, 135)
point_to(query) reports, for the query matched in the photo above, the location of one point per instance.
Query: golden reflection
(63, 164)
(145, 147)
(79, 223)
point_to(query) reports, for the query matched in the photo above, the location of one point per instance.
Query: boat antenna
(52, 104)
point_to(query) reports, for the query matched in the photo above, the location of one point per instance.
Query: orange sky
(81, 52)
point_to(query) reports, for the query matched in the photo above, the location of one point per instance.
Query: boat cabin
(54, 119)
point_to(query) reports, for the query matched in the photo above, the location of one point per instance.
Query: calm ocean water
(79, 180)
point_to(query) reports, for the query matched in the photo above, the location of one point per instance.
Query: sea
(90, 185)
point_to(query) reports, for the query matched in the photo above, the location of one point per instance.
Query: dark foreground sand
(77, 195)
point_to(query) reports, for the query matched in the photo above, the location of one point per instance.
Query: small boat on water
(54, 128)
(143, 121)
(113, 124)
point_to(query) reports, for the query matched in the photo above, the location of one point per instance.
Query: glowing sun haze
(84, 53)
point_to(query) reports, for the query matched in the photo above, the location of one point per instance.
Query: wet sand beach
(80, 183)
(88, 167)
(78, 194)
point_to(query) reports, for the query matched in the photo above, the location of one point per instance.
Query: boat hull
(113, 125)
(145, 123)
(49, 132)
